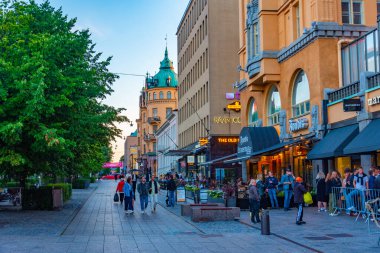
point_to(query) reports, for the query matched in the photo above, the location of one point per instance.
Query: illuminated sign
(113, 165)
(228, 139)
(374, 101)
(203, 141)
(227, 120)
(190, 160)
(236, 106)
(298, 124)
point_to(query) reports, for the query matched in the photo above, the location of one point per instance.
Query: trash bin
(265, 223)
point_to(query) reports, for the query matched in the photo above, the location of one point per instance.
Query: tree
(52, 83)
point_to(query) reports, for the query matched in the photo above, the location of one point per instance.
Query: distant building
(158, 99)
(130, 151)
(167, 140)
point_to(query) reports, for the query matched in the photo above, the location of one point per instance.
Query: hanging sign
(235, 106)
(352, 105)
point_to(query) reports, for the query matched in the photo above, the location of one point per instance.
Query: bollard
(265, 223)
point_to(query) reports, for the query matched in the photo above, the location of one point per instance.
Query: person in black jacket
(299, 191)
(171, 187)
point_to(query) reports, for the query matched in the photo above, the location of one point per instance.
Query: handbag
(116, 197)
(307, 198)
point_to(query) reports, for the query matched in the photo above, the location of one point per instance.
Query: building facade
(290, 53)
(207, 45)
(131, 151)
(158, 99)
(167, 140)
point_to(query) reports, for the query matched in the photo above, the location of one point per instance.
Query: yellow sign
(236, 106)
(203, 141)
(228, 139)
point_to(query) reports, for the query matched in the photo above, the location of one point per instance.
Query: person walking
(332, 186)
(321, 192)
(271, 184)
(299, 191)
(154, 188)
(171, 187)
(143, 189)
(128, 196)
(287, 181)
(254, 201)
(120, 189)
(134, 184)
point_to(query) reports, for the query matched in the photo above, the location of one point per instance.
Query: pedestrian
(120, 189)
(271, 184)
(299, 191)
(361, 186)
(128, 196)
(264, 197)
(115, 177)
(377, 179)
(321, 192)
(287, 181)
(371, 179)
(154, 188)
(171, 187)
(333, 189)
(143, 190)
(134, 184)
(254, 201)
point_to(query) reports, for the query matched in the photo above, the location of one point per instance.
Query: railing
(344, 92)
(152, 120)
(274, 118)
(374, 81)
(149, 137)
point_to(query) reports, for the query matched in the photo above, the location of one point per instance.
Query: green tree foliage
(52, 83)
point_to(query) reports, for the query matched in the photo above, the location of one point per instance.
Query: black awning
(333, 143)
(366, 141)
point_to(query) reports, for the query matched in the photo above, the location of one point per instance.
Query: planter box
(231, 202)
(218, 200)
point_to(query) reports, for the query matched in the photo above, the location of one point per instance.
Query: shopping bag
(116, 197)
(307, 198)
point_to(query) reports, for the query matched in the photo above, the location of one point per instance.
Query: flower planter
(231, 202)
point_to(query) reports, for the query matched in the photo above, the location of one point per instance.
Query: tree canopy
(52, 84)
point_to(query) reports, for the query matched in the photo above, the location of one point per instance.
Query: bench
(215, 214)
(186, 210)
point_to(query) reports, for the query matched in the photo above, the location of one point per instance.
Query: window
(161, 95)
(274, 106)
(168, 112)
(252, 113)
(169, 95)
(154, 96)
(298, 21)
(154, 129)
(352, 12)
(154, 112)
(149, 96)
(301, 95)
(144, 119)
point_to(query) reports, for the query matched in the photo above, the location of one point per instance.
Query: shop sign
(245, 146)
(227, 120)
(298, 124)
(227, 139)
(374, 101)
(181, 194)
(113, 165)
(235, 106)
(190, 160)
(203, 141)
(352, 105)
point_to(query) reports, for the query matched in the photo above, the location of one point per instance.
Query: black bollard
(265, 223)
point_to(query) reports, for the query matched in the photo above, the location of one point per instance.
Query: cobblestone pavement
(102, 226)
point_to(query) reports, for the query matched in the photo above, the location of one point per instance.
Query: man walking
(134, 184)
(287, 181)
(299, 191)
(171, 189)
(143, 189)
(271, 183)
(154, 187)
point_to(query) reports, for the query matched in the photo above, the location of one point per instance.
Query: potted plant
(229, 195)
(215, 196)
(195, 192)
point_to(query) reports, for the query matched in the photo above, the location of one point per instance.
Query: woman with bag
(254, 201)
(128, 192)
(321, 192)
(299, 191)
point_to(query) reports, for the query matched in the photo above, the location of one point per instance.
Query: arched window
(252, 113)
(169, 95)
(161, 95)
(154, 96)
(274, 106)
(301, 95)
(148, 96)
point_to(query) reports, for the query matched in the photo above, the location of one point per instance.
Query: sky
(133, 32)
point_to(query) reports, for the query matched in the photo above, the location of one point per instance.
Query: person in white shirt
(360, 185)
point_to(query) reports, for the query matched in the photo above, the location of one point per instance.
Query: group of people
(288, 183)
(127, 192)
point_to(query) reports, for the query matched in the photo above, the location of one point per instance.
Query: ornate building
(157, 101)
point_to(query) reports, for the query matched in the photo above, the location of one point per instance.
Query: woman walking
(128, 192)
(254, 201)
(321, 192)
(120, 190)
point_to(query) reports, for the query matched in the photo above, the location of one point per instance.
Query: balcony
(149, 137)
(374, 81)
(154, 120)
(344, 92)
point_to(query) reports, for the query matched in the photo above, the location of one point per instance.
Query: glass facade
(274, 106)
(361, 55)
(301, 95)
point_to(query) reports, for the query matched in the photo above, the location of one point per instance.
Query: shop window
(169, 95)
(301, 95)
(161, 95)
(341, 163)
(252, 113)
(274, 106)
(352, 12)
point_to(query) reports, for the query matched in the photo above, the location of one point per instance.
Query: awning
(181, 152)
(217, 160)
(333, 143)
(366, 141)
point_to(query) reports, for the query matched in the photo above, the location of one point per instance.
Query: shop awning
(333, 143)
(366, 141)
(181, 152)
(217, 160)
